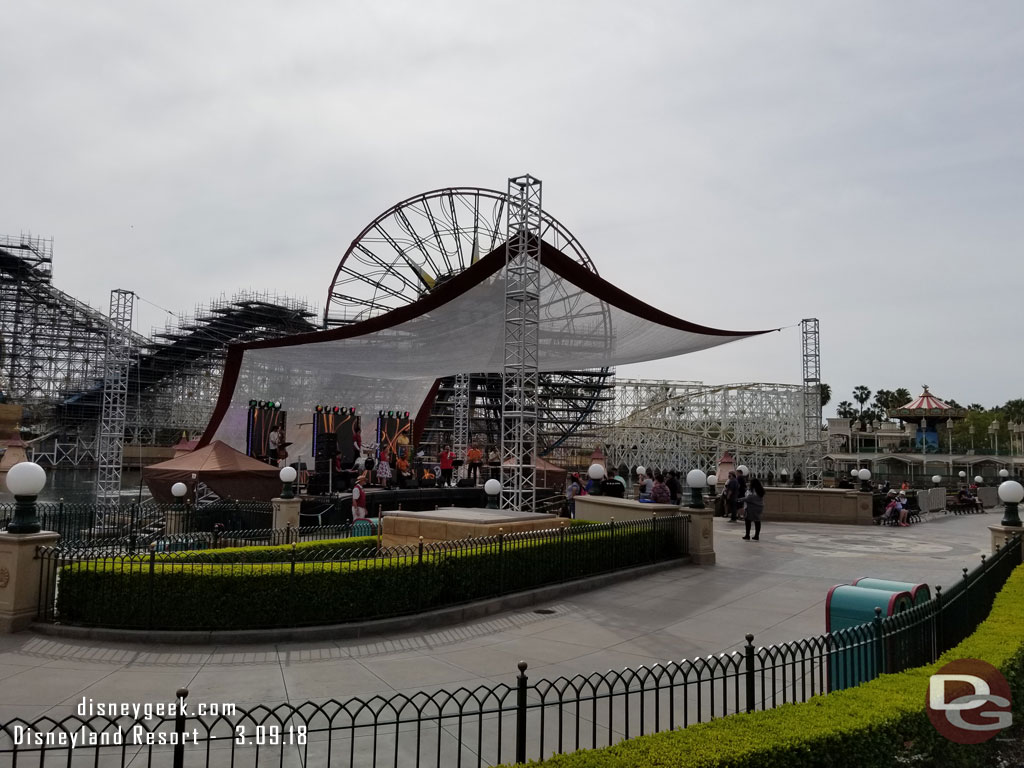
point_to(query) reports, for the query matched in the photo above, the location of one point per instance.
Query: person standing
(475, 459)
(659, 492)
(675, 488)
(273, 445)
(574, 489)
(753, 503)
(359, 498)
(732, 489)
(613, 487)
(447, 462)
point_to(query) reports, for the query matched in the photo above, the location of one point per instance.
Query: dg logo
(969, 701)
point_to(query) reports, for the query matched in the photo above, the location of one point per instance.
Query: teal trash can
(854, 653)
(366, 526)
(919, 593)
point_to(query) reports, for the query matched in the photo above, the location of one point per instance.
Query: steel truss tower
(114, 416)
(812, 401)
(460, 430)
(521, 367)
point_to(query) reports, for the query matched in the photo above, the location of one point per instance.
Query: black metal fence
(528, 719)
(159, 590)
(88, 523)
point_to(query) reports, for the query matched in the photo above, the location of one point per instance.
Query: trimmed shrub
(878, 724)
(195, 592)
(274, 554)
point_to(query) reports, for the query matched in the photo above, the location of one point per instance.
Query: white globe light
(596, 472)
(1011, 492)
(853, 473)
(696, 479)
(712, 480)
(26, 479)
(962, 474)
(1004, 473)
(641, 470)
(278, 405)
(178, 490)
(864, 474)
(742, 469)
(979, 479)
(492, 487)
(784, 472)
(287, 474)
(936, 479)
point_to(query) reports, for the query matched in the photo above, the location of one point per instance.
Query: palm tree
(861, 394)
(845, 410)
(826, 393)
(901, 397)
(883, 401)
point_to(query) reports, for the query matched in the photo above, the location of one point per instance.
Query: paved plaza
(774, 588)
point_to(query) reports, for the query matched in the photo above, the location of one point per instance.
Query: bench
(964, 507)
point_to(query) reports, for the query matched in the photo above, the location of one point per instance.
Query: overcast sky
(742, 165)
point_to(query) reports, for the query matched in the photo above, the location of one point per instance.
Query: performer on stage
(446, 460)
(384, 470)
(475, 459)
(273, 445)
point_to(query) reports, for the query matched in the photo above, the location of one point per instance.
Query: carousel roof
(926, 404)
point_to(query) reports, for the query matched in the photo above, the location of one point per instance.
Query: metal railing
(533, 719)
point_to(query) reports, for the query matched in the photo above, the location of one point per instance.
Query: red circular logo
(968, 701)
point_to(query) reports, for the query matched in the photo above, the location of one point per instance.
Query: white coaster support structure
(521, 368)
(114, 415)
(809, 333)
(460, 428)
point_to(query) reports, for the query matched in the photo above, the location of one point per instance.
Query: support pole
(520, 372)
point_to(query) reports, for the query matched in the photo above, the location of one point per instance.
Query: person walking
(574, 489)
(732, 489)
(754, 505)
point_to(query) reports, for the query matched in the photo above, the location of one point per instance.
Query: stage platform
(337, 509)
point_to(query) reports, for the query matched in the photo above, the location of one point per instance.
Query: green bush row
(270, 554)
(226, 595)
(880, 723)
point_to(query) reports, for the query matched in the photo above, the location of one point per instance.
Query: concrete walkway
(774, 588)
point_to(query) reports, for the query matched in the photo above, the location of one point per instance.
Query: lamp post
(176, 516)
(784, 476)
(936, 479)
(493, 490)
(963, 478)
(949, 434)
(596, 473)
(978, 480)
(970, 430)
(865, 480)
(25, 480)
(924, 446)
(1011, 493)
(696, 480)
(288, 475)
(993, 429)
(712, 485)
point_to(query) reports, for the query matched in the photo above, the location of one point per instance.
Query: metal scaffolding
(812, 400)
(53, 351)
(460, 431)
(687, 424)
(520, 370)
(114, 414)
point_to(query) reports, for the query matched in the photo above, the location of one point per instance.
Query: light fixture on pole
(970, 430)
(288, 475)
(949, 434)
(1011, 493)
(742, 470)
(993, 429)
(865, 480)
(1003, 474)
(696, 480)
(712, 484)
(493, 490)
(978, 480)
(25, 480)
(936, 479)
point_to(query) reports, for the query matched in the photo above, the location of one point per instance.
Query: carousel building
(916, 449)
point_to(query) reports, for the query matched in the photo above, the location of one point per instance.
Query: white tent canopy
(392, 361)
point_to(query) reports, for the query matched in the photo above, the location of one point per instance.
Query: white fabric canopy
(392, 361)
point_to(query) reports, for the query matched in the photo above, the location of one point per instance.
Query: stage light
(352, 410)
(390, 414)
(277, 404)
(319, 408)
(337, 409)
(252, 403)
(380, 414)
(407, 414)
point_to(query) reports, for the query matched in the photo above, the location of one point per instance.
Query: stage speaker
(465, 483)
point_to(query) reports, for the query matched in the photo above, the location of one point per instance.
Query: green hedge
(198, 594)
(880, 723)
(269, 554)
